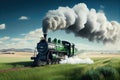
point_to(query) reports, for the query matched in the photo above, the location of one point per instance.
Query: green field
(104, 68)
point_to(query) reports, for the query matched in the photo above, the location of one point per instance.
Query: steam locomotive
(52, 51)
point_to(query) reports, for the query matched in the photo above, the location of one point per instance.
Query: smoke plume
(83, 22)
(76, 60)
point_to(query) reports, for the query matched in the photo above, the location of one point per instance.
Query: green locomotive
(52, 51)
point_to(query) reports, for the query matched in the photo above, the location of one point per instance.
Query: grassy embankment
(104, 68)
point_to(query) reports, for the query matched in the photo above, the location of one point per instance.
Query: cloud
(28, 40)
(4, 38)
(20, 44)
(22, 34)
(2, 26)
(115, 46)
(102, 7)
(32, 35)
(16, 39)
(82, 46)
(23, 18)
(1, 42)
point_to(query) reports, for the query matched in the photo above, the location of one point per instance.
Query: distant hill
(100, 51)
(17, 50)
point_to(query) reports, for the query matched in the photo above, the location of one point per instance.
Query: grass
(13, 62)
(102, 69)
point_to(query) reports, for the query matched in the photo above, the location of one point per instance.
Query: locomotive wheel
(57, 61)
(49, 62)
(41, 63)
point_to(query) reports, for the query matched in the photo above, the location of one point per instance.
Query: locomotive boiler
(52, 51)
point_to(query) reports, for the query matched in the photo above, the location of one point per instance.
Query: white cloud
(33, 35)
(16, 39)
(23, 34)
(23, 18)
(28, 40)
(4, 38)
(3, 41)
(102, 7)
(20, 44)
(2, 26)
(110, 46)
(85, 46)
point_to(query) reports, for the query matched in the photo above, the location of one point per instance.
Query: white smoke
(76, 60)
(83, 22)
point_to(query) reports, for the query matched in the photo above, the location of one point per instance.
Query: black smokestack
(45, 35)
(83, 22)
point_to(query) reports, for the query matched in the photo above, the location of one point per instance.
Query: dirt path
(15, 69)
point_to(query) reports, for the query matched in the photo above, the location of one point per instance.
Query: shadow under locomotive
(52, 51)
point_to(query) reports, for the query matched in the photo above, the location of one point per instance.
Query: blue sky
(21, 21)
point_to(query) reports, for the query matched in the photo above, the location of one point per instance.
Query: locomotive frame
(51, 52)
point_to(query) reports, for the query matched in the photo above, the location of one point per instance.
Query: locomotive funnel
(45, 35)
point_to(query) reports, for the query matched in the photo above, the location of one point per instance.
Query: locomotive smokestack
(45, 35)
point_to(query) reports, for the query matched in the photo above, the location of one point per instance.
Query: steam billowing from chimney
(83, 23)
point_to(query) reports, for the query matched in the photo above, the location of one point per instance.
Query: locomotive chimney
(45, 35)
